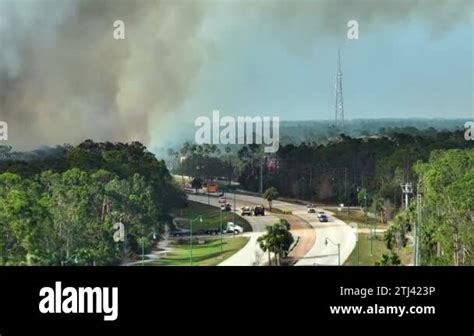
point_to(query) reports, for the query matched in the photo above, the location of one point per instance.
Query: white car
(311, 210)
(321, 214)
(222, 200)
(246, 210)
(236, 229)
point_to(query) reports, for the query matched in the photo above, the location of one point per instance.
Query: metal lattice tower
(339, 120)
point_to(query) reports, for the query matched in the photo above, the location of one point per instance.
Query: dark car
(323, 219)
(226, 207)
(259, 210)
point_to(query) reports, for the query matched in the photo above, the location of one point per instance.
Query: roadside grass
(207, 254)
(378, 248)
(210, 217)
(357, 216)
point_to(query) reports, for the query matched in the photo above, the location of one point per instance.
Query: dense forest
(368, 172)
(58, 206)
(335, 172)
(446, 213)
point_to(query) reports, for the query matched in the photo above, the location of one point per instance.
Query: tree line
(60, 208)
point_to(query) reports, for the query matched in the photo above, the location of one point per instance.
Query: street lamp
(355, 227)
(191, 238)
(142, 241)
(234, 209)
(338, 249)
(371, 229)
(222, 242)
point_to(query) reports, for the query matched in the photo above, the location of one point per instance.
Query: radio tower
(339, 120)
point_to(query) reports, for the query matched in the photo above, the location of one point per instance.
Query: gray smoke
(63, 78)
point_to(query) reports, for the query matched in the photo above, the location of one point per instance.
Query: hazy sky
(63, 78)
(404, 67)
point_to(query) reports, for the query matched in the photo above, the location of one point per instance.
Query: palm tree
(270, 194)
(266, 243)
(380, 208)
(277, 240)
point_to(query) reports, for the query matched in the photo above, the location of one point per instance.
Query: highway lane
(336, 230)
(319, 254)
(251, 254)
(258, 223)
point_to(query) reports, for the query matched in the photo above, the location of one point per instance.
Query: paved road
(258, 223)
(319, 254)
(336, 230)
(251, 254)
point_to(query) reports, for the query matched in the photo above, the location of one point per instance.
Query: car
(226, 207)
(323, 219)
(311, 210)
(246, 210)
(222, 199)
(233, 228)
(258, 210)
(321, 213)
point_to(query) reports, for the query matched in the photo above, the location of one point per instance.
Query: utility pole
(407, 189)
(339, 111)
(345, 192)
(355, 228)
(233, 218)
(191, 238)
(222, 242)
(419, 197)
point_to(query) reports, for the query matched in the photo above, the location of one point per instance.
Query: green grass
(210, 217)
(207, 254)
(378, 248)
(357, 216)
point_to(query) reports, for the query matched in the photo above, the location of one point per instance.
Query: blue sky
(400, 69)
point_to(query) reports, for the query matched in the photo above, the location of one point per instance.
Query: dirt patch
(296, 222)
(305, 243)
(305, 232)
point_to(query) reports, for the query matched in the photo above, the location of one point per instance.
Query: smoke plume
(64, 78)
